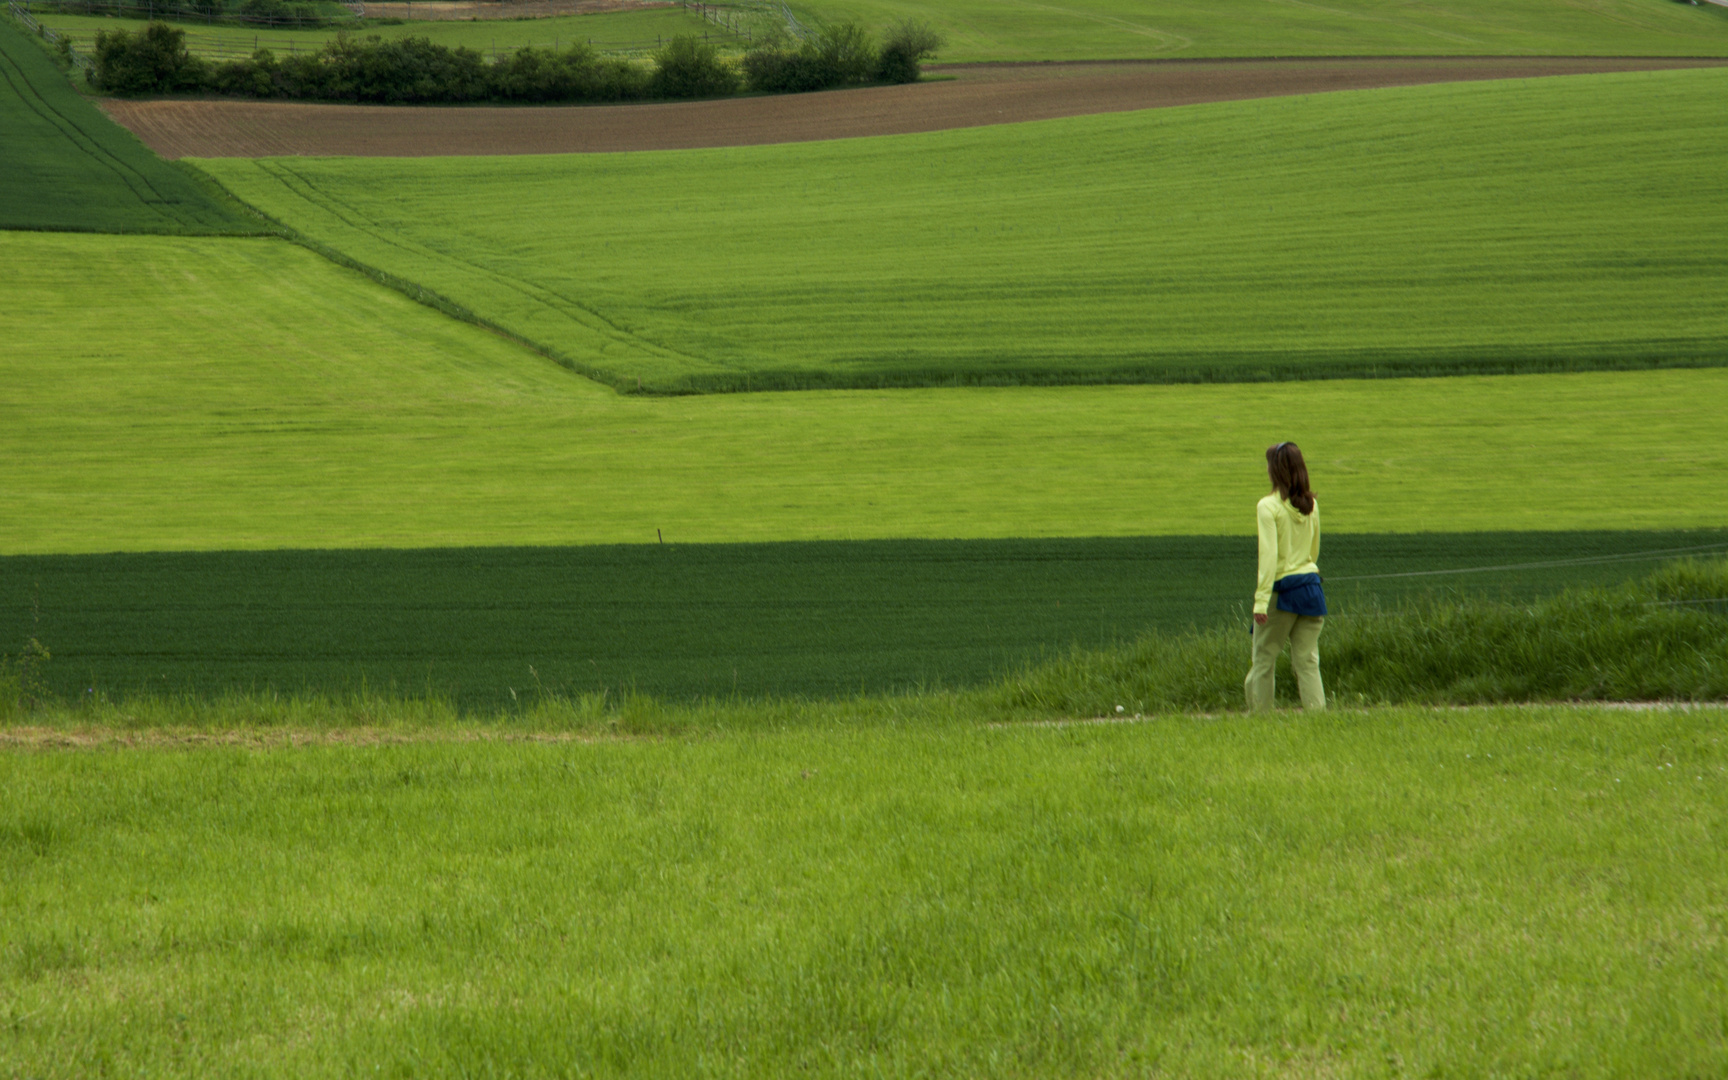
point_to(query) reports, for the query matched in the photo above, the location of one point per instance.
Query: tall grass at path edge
(1662, 637)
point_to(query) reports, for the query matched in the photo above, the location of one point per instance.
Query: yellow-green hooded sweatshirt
(1289, 544)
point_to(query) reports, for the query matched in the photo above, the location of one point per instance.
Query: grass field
(622, 31)
(198, 394)
(818, 619)
(1092, 29)
(1395, 892)
(1521, 225)
(66, 166)
(1108, 29)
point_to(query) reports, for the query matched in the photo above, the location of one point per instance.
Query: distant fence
(220, 46)
(208, 13)
(237, 44)
(22, 14)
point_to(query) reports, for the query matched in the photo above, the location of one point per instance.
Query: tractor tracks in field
(962, 95)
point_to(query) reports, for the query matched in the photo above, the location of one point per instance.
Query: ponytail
(1290, 476)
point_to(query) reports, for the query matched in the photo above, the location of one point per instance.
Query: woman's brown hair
(1290, 475)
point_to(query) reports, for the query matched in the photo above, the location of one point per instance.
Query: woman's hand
(1259, 618)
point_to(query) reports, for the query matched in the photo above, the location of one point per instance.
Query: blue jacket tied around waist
(1300, 593)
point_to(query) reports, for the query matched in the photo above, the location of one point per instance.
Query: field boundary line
(305, 190)
(416, 292)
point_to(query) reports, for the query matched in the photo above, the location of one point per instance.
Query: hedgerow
(155, 60)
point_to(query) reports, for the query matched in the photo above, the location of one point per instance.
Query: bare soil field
(482, 10)
(975, 95)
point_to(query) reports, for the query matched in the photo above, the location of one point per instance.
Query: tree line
(413, 70)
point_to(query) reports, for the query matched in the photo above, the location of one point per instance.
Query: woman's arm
(1267, 522)
(1314, 549)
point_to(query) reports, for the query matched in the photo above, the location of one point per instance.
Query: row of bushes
(155, 60)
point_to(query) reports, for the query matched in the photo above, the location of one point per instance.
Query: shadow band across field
(969, 96)
(488, 626)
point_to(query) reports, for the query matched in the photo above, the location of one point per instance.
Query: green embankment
(677, 621)
(1498, 892)
(66, 166)
(203, 394)
(1522, 225)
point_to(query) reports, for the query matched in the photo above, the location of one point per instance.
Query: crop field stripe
(68, 167)
(1354, 234)
(26, 92)
(194, 393)
(684, 620)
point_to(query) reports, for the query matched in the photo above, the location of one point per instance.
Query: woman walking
(1289, 523)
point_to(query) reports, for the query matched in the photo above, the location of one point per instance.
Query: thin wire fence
(223, 47)
(1652, 555)
(733, 26)
(22, 14)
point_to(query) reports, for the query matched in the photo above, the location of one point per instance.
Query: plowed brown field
(977, 94)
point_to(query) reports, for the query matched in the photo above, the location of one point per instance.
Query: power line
(1631, 556)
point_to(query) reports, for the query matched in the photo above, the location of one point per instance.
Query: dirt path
(977, 94)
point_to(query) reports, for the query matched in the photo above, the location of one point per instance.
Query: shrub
(278, 13)
(404, 71)
(908, 44)
(577, 74)
(689, 68)
(153, 60)
(841, 55)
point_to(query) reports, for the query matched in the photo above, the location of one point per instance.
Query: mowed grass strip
(1527, 891)
(507, 629)
(200, 394)
(1520, 225)
(66, 166)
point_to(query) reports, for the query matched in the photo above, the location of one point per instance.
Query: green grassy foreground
(67, 166)
(1519, 225)
(202, 394)
(1377, 893)
(488, 629)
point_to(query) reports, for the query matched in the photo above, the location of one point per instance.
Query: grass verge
(1372, 233)
(1665, 636)
(1368, 893)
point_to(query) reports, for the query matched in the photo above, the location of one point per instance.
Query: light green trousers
(1303, 634)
